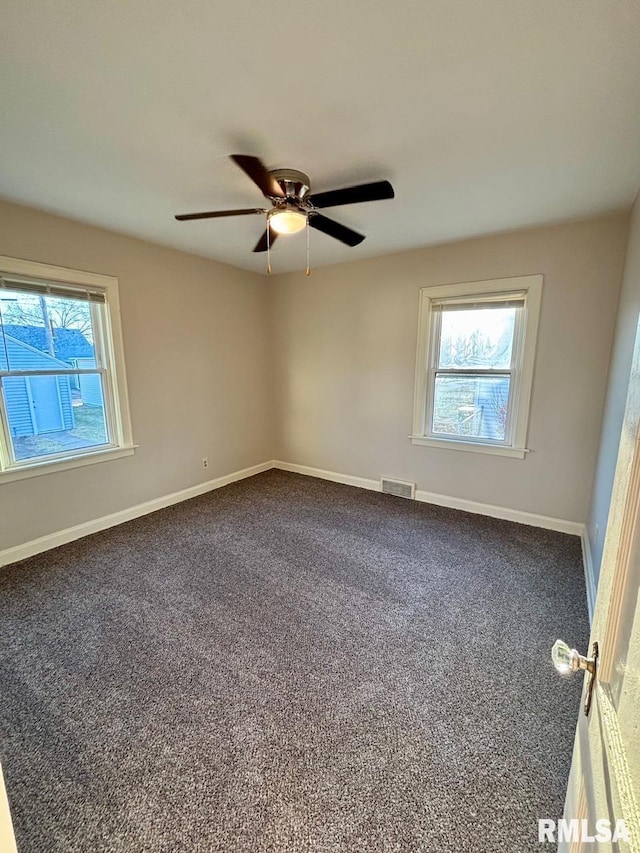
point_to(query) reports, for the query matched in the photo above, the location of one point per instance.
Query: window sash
(430, 432)
(98, 308)
(515, 300)
(104, 360)
(99, 326)
(479, 302)
(13, 464)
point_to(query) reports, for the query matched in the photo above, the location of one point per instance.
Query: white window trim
(119, 416)
(523, 370)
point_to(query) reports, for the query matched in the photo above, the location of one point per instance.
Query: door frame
(623, 528)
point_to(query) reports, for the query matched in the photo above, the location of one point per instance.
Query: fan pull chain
(308, 270)
(268, 248)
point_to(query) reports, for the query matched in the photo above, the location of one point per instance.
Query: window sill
(51, 466)
(469, 446)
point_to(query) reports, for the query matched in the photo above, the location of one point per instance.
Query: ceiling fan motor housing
(295, 185)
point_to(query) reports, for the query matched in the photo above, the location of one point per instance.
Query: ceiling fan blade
(213, 214)
(335, 229)
(261, 245)
(352, 195)
(259, 174)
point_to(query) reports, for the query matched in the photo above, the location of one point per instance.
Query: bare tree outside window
(57, 313)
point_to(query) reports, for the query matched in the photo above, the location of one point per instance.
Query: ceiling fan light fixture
(287, 220)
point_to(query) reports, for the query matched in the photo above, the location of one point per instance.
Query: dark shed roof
(67, 343)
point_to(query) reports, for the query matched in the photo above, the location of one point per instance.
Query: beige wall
(625, 336)
(198, 366)
(345, 343)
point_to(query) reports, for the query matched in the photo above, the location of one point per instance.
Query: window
(62, 386)
(476, 350)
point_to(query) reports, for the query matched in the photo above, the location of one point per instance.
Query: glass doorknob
(568, 661)
(561, 655)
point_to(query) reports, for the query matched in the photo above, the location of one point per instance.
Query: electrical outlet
(205, 462)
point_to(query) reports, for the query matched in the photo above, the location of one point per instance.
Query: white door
(46, 403)
(604, 784)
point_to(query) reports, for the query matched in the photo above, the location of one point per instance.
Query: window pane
(54, 414)
(478, 337)
(44, 332)
(471, 405)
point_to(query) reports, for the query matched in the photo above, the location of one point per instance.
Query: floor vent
(399, 488)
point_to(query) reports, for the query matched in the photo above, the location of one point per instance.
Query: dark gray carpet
(288, 664)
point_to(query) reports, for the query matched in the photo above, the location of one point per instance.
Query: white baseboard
(61, 537)
(519, 516)
(345, 479)
(589, 576)
(503, 512)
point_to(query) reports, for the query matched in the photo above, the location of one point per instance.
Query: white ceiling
(486, 116)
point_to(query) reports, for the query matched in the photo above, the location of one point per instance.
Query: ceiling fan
(292, 204)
